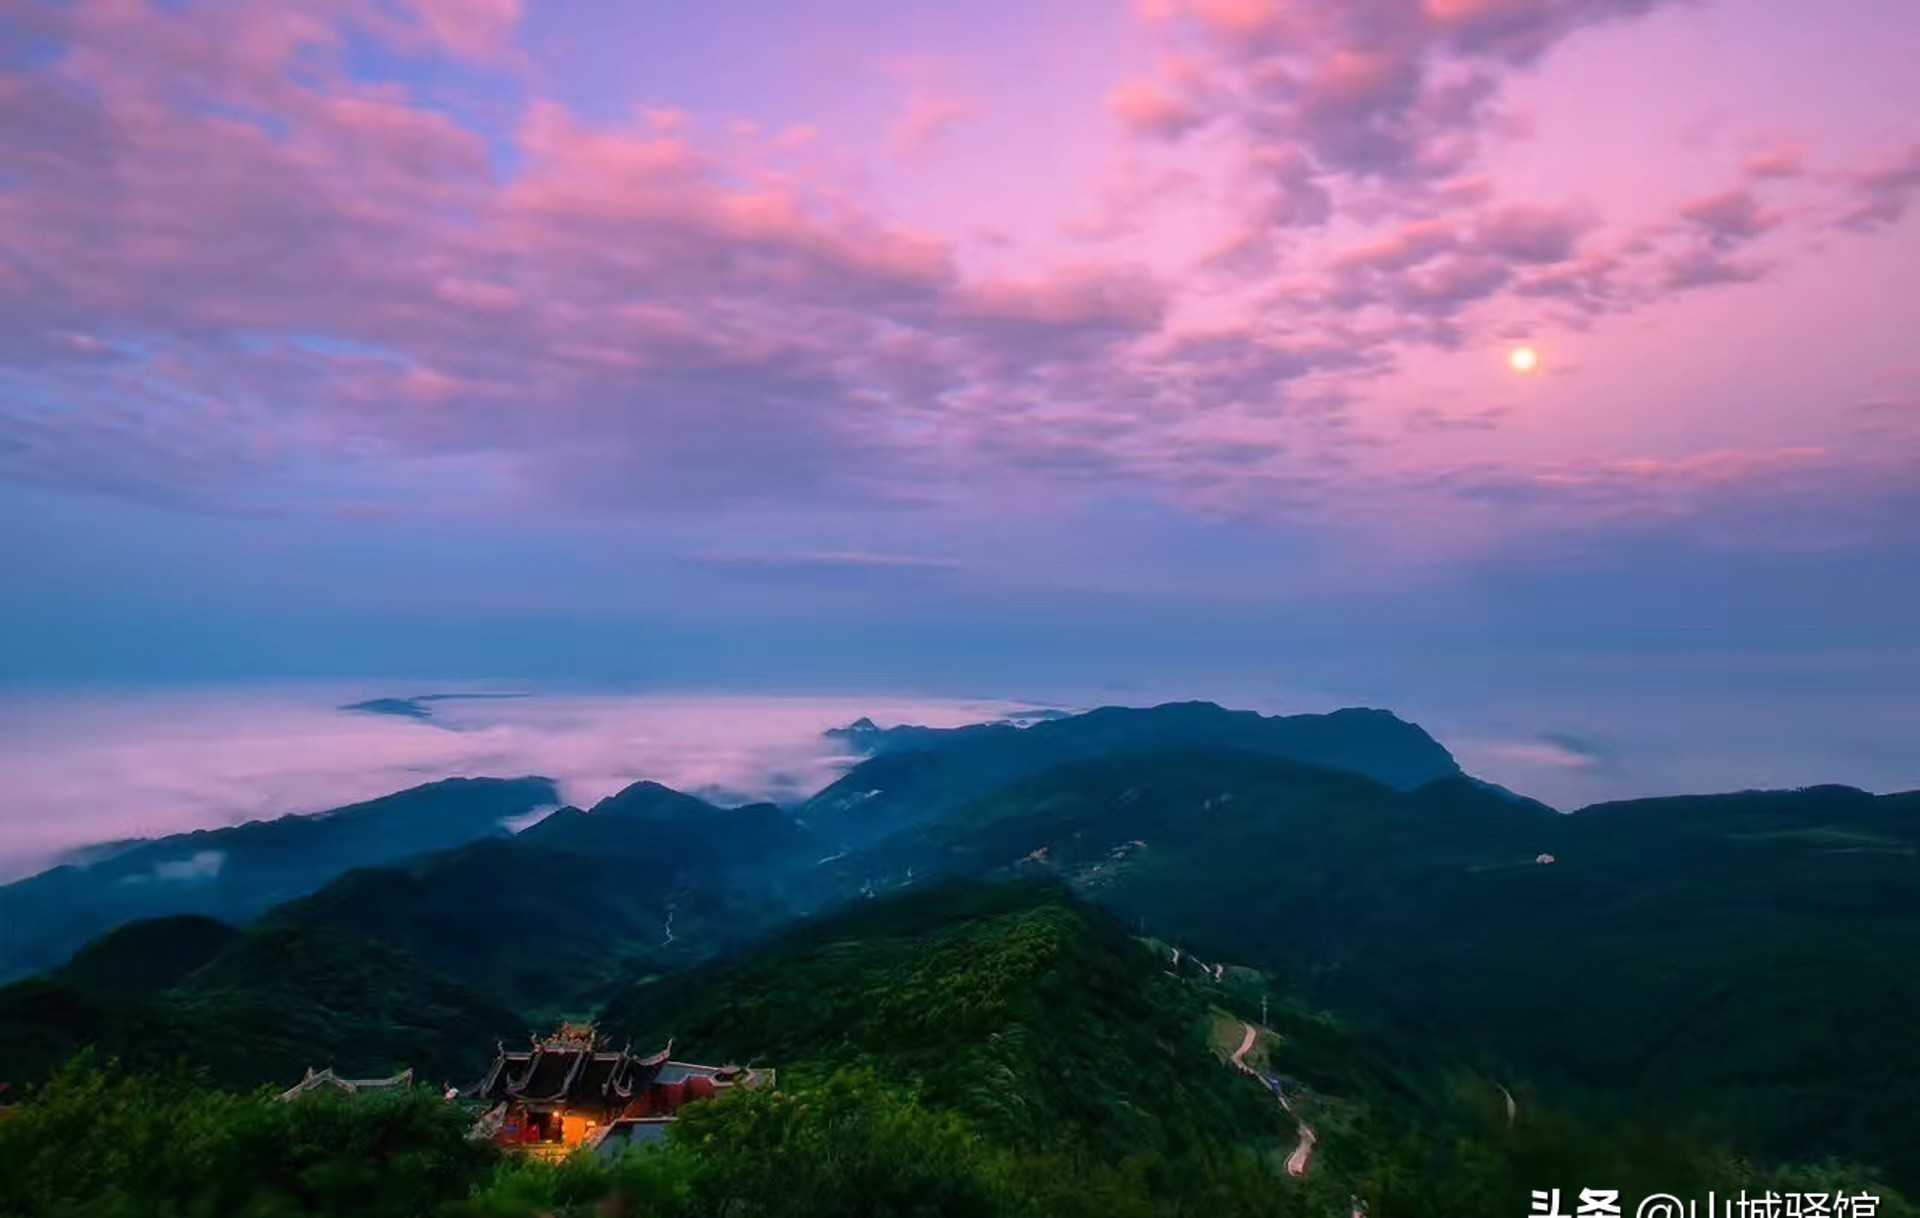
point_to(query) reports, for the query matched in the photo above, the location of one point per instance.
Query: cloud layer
(92, 769)
(250, 271)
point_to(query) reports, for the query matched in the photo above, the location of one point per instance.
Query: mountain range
(1039, 905)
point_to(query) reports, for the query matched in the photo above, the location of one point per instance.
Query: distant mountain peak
(417, 707)
(650, 799)
(915, 773)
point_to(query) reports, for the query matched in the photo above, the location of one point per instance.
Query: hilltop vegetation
(1028, 1012)
(261, 1009)
(106, 1144)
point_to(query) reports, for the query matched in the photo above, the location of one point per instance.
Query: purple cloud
(244, 276)
(1730, 217)
(1880, 196)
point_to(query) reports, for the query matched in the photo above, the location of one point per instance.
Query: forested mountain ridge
(915, 774)
(237, 873)
(650, 879)
(1700, 951)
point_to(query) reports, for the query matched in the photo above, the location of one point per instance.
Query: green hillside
(1016, 1005)
(1747, 958)
(261, 1010)
(960, 1050)
(551, 920)
(144, 958)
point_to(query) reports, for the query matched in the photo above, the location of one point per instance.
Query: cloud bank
(91, 769)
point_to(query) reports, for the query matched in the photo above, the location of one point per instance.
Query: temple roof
(572, 1066)
(552, 1075)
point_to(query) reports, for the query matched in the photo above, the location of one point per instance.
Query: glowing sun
(1523, 359)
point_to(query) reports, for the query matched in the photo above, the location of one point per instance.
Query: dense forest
(969, 1050)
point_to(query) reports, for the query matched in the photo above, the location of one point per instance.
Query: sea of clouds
(85, 768)
(79, 768)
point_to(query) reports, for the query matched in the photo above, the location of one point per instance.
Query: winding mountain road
(1240, 1054)
(1302, 1156)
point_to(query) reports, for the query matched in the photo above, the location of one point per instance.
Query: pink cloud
(1397, 92)
(1411, 245)
(474, 28)
(476, 295)
(1552, 754)
(1148, 107)
(1466, 12)
(1244, 21)
(1076, 298)
(1784, 161)
(797, 136)
(242, 274)
(928, 118)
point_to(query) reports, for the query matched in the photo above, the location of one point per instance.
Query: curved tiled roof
(568, 1071)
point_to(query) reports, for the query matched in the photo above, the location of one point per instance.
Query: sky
(1070, 351)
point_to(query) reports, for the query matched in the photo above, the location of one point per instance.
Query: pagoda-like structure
(572, 1088)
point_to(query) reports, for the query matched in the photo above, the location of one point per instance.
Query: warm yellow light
(1523, 359)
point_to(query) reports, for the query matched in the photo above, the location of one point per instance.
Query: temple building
(571, 1089)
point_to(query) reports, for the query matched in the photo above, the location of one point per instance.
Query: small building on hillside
(573, 1089)
(327, 1081)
